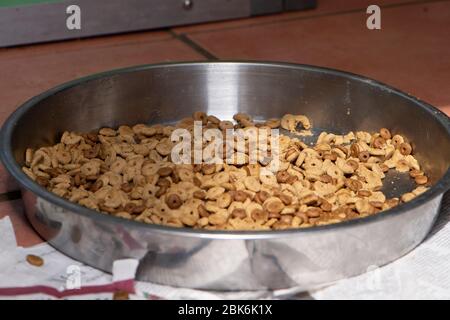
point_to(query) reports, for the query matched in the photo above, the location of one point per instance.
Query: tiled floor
(411, 52)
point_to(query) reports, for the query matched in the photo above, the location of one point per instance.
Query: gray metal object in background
(230, 260)
(42, 22)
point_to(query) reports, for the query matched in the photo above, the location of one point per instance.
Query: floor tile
(410, 52)
(25, 76)
(25, 234)
(37, 68)
(7, 182)
(83, 44)
(446, 109)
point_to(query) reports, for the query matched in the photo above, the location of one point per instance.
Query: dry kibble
(130, 207)
(384, 168)
(421, 179)
(325, 178)
(96, 186)
(162, 190)
(259, 215)
(241, 117)
(405, 149)
(378, 142)
(239, 213)
(208, 168)
(314, 212)
(129, 173)
(126, 187)
(240, 196)
(224, 200)
(353, 164)
(200, 116)
(408, 196)
(273, 215)
(364, 193)
(353, 184)
(392, 202)
(35, 260)
(364, 156)
(415, 173)
(197, 182)
(213, 119)
(252, 183)
(226, 125)
(200, 194)
(273, 123)
(385, 133)
(165, 171)
(325, 205)
(273, 205)
(173, 201)
(283, 176)
(42, 181)
(397, 140)
(286, 219)
(287, 200)
(354, 150)
(310, 199)
(121, 295)
(202, 211)
(376, 204)
(330, 156)
(262, 196)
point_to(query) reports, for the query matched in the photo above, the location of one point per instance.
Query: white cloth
(421, 274)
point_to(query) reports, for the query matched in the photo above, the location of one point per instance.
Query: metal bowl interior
(335, 101)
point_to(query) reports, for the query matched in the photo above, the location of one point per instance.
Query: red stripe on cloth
(125, 285)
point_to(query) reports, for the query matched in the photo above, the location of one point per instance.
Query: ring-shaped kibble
(397, 140)
(385, 133)
(224, 125)
(353, 184)
(405, 148)
(239, 213)
(200, 116)
(173, 201)
(240, 196)
(212, 119)
(364, 156)
(259, 215)
(282, 176)
(378, 142)
(273, 205)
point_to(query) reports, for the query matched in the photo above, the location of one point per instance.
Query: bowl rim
(13, 168)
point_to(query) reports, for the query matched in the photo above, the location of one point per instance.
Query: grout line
(320, 15)
(11, 195)
(194, 45)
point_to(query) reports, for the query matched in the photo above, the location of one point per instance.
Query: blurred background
(47, 42)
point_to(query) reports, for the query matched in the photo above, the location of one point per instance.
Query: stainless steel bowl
(219, 260)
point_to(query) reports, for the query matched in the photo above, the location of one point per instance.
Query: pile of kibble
(127, 172)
